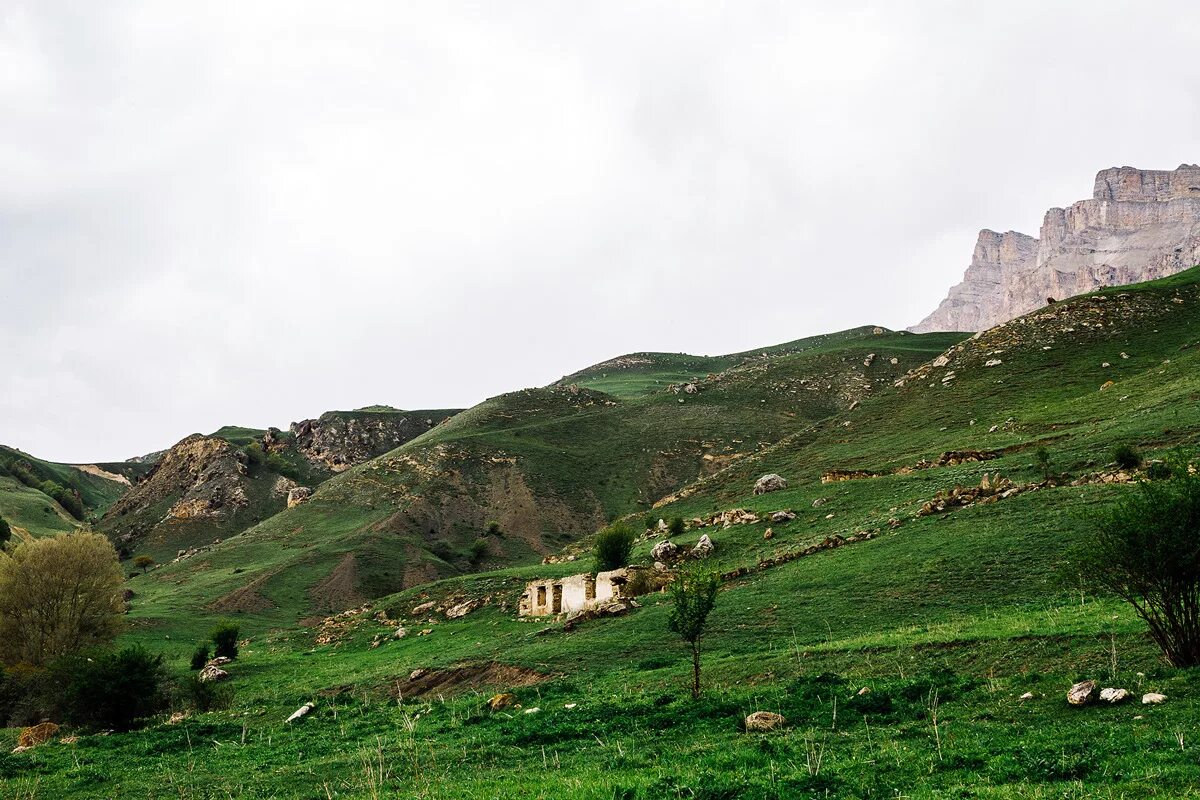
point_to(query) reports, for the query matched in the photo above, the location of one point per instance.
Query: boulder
(1081, 693)
(37, 734)
(779, 517)
(1153, 699)
(301, 712)
(769, 483)
(462, 609)
(664, 551)
(212, 674)
(219, 661)
(1114, 696)
(768, 533)
(424, 607)
(704, 548)
(502, 700)
(399, 633)
(763, 721)
(298, 495)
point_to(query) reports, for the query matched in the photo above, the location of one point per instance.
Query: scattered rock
(769, 483)
(298, 495)
(423, 608)
(764, 721)
(1114, 696)
(993, 362)
(768, 533)
(301, 712)
(462, 609)
(665, 551)
(503, 700)
(1106, 385)
(533, 710)
(1153, 699)
(1027, 696)
(416, 673)
(219, 661)
(212, 674)
(399, 633)
(780, 517)
(1081, 693)
(36, 735)
(866, 690)
(704, 548)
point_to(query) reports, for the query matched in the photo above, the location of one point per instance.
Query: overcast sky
(250, 213)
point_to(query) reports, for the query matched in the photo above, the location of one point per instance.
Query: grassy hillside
(549, 465)
(946, 619)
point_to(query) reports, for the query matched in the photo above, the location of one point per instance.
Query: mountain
(1139, 225)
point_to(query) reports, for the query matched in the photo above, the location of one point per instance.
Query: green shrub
(1127, 457)
(108, 689)
(677, 526)
(613, 546)
(200, 656)
(479, 550)
(254, 454)
(5, 531)
(225, 638)
(1159, 471)
(1044, 464)
(201, 696)
(650, 521)
(67, 498)
(493, 529)
(279, 465)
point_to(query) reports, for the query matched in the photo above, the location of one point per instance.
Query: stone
(300, 713)
(399, 633)
(993, 362)
(1114, 696)
(664, 551)
(764, 721)
(1081, 693)
(1138, 225)
(779, 517)
(704, 548)
(866, 690)
(768, 533)
(211, 674)
(1153, 699)
(1027, 696)
(298, 495)
(462, 609)
(769, 483)
(423, 608)
(219, 661)
(37, 734)
(500, 701)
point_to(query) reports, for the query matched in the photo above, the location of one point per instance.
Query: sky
(253, 212)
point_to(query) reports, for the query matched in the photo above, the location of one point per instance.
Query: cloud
(251, 213)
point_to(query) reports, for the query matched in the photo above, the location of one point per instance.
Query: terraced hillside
(549, 466)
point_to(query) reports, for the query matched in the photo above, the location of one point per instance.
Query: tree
(225, 640)
(5, 531)
(143, 563)
(693, 593)
(109, 690)
(613, 546)
(1146, 550)
(1044, 463)
(58, 596)
(200, 656)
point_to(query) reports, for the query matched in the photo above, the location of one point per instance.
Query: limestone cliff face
(1139, 225)
(339, 440)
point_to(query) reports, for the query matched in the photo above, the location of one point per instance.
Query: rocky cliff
(1139, 225)
(337, 440)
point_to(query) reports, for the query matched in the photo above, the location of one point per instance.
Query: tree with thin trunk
(143, 563)
(58, 596)
(694, 593)
(1146, 550)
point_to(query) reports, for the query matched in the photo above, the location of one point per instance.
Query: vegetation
(1147, 552)
(613, 546)
(1127, 457)
(58, 596)
(5, 531)
(1044, 463)
(693, 595)
(225, 640)
(144, 563)
(676, 526)
(200, 657)
(109, 690)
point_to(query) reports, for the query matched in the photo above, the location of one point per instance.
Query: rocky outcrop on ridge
(1139, 225)
(338, 440)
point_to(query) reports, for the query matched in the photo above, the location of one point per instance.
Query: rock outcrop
(1139, 225)
(338, 440)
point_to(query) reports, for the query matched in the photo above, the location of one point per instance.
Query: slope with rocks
(1139, 225)
(549, 466)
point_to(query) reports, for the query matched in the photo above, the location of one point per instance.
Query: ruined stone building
(553, 596)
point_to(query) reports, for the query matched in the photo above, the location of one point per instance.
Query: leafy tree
(479, 549)
(109, 690)
(693, 594)
(5, 531)
(677, 526)
(1146, 550)
(67, 498)
(225, 639)
(143, 563)
(613, 546)
(200, 656)
(58, 596)
(1127, 457)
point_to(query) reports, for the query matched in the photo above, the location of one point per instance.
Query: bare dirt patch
(464, 677)
(339, 589)
(246, 599)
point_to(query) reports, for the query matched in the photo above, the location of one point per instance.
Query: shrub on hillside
(493, 529)
(1146, 550)
(67, 498)
(200, 657)
(225, 639)
(279, 465)
(202, 696)
(108, 690)
(613, 546)
(479, 550)
(1127, 457)
(5, 531)
(677, 526)
(58, 596)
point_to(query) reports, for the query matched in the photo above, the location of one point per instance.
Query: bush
(225, 638)
(200, 656)
(677, 526)
(1127, 457)
(211, 696)
(5, 531)
(1159, 471)
(279, 465)
(651, 521)
(479, 549)
(67, 498)
(109, 690)
(613, 546)
(254, 454)
(493, 529)
(1146, 550)
(58, 596)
